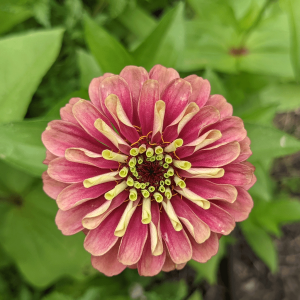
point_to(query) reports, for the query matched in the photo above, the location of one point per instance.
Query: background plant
(49, 52)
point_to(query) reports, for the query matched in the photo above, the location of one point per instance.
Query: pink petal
(209, 190)
(176, 96)
(163, 75)
(70, 221)
(200, 89)
(245, 150)
(217, 157)
(235, 174)
(220, 103)
(101, 239)
(169, 265)
(52, 187)
(61, 135)
(206, 116)
(149, 95)
(94, 90)
(91, 221)
(205, 251)
(118, 86)
(49, 157)
(248, 186)
(232, 129)
(108, 263)
(177, 242)
(89, 158)
(241, 208)
(66, 113)
(135, 77)
(150, 265)
(76, 194)
(134, 239)
(86, 114)
(66, 171)
(197, 228)
(216, 218)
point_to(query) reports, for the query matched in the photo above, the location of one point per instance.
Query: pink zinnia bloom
(153, 170)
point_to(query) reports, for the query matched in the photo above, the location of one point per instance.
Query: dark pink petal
(135, 77)
(134, 239)
(86, 114)
(169, 265)
(205, 251)
(232, 129)
(248, 186)
(245, 150)
(49, 157)
(94, 90)
(94, 219)
(198, 229)
(216, 157)
(150, 265)
(148, 96)
(108, 263)
(218, 220)
(220, 103)
(206, 116)
(163, 75)
(61, 135)
(70, 221)
(102, 239)
(66, 113)
(76, 194)
(241, 208)
(235, 174)
(66, 171)
(177, 242)
(118, 86)
(200, 89)
(176, 96)
(209, 190)
(52, 187)
(83, 156)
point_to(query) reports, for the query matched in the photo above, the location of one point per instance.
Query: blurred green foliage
(51, 49)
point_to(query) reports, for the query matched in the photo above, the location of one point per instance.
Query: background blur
(250, 52)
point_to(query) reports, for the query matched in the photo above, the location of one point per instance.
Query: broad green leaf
(261, 243)
(196, 296)
(293, 11)
(53, 113)
(269, 142)
(109, 53)
(138, 21)
(285, 96)
(22, 147)
(166, 42)
(41, 11)
(10, 19)
(24, 60)
(42, 253)
(208, 270)
(217, 86)
(116, 7)
(88, 67)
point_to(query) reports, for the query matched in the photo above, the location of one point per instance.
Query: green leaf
(261, 243)
(269, 142)
(24, 60)
(10, 19)
(88, 67)
(138, 21)
(165, 44)
(22, 147)
(109, 53)
(57, 296)
(208, 270)
(41, 10)
(217, 86)
(196, 296)
(285, 96)
(116, 7)
(53, 113)
(293, 11)
(38, 248)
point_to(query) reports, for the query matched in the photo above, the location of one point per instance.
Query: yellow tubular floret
(146, 211)
(110, 155)
(182, 164)
(115, 191)
(174, 145)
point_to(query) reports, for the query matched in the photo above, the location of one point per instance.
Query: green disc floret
(152, 159)
(134, 151)
(149, 152)
(159, 150)
(166, 175)
(162, 182)
(132, 162)
(170, 171)
(168, 193)
(151, 189)
(168, 159)
(158, 197)
(166, 166)
(143, 185)
(123, 172)
(168, 181)
(162, 189)
(145, 193)
(130, 181)
(132, 194)
(140, 159)
(159, 157)
(137, 185)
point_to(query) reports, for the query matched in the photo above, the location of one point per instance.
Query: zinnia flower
(153, 170)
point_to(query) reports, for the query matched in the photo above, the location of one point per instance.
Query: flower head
(153, 170)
